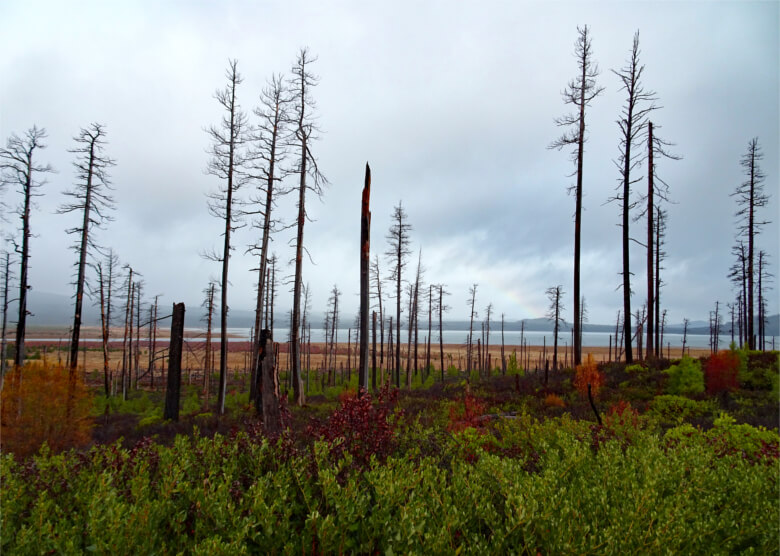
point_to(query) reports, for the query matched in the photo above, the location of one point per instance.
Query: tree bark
(172, 392)
(270, 412)
(365, 252)
(650, 237)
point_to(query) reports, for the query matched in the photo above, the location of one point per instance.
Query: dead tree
(305, 131)
(376, 277)
(738, 276)
(397, 253)
(267, 158)
(554, 295)
(750, 196)
(685, 334)
(472, 314)
(226, 164)
(441, 308)
(152, 339)
(503, 359)
(137, 355)
(272, 421)
(172, 392)
(333, 301)
(106, 277)
(428, 341)
(579, 92)
(416, 309)
(657, 191)
(3, 354)
(365, 252)
(409, 329)
(128, 299)
(660, 255)
(633, 125)
(764, 277)
(489, 312)
(91, 197)
(208, 358)
(18, 168)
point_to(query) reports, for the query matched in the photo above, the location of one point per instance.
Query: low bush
(531, 488)
(675, 410)
(44, 404)
(685, 378)
(720, 372)
(588, 373)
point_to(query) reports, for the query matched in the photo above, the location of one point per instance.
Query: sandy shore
(50, 343)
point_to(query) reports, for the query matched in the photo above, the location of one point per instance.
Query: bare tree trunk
(104, 329)
(365, 252)
(3, 354)
(130, 338)
(473, 292)
(441, 338)
(137, 332)
(174, 364)
(373, 351)
(124, 340)
(272, 422)
(650, 238)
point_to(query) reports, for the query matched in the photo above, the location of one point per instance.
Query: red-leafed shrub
(360, 427)
(720, 372)
(588, 373)
(468, 415)
(622, 414)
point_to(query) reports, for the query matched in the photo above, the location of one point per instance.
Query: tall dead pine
(579, 92)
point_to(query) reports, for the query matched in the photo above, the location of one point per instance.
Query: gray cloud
(452, 105)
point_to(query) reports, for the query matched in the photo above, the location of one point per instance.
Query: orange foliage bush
(473, 409)
(552, 400)
(588, 373)
(35, 410)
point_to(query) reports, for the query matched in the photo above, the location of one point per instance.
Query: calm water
(592, 339)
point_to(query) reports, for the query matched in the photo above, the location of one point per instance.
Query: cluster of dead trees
(90, 198)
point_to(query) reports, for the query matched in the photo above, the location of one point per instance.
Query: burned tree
(633, 125)
(90, 197)
(305, 132)
(442, 308)
(554, 294)
(19, 168)
(657, 191)
(473, 313)
(208, 358)
(6, 278)
(226, 162)
(106, 272)
(750, 196)
(397, 252)
(580, 92)
(376, 277)
(365, 252)
(267, 158)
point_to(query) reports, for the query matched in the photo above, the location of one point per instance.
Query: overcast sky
(452, 104)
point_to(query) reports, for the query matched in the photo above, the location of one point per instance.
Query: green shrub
(685, 378)
(635, 368)
(512, 367)
(676, 410)
(519, 486)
